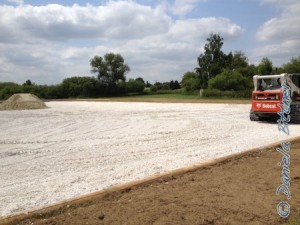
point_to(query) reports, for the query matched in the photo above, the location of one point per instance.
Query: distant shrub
(227, 94)
(153, 88)
(134, 86)
(190, 81)
(7, 89)
(229, 80)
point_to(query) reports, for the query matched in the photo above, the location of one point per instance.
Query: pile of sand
(22, 101)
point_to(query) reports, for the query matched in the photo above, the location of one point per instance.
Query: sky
(50, 40)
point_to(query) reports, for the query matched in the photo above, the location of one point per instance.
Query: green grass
(177, 97)
(166, 96)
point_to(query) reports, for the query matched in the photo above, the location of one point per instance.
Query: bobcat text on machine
(267, 96)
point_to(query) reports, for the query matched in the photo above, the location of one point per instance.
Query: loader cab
(268, 84)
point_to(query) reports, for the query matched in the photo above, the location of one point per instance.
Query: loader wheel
(253, 116)
(295, 115)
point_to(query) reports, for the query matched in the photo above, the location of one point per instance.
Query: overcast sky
(47, 41)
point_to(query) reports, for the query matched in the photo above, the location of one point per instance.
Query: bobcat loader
(268, 95)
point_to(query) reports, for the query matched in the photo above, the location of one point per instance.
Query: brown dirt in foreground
(238, 190)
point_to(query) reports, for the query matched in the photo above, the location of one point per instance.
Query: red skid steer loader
(268, 95)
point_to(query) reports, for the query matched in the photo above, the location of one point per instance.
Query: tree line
(110, 80)
(217, 73)
(220, 74)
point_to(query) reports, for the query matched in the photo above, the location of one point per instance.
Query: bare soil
(237, 190)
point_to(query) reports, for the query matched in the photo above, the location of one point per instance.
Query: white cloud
(182, 7)
(48, 43)
(280, 35)
(285, 26)
(26, 61)
(285, 49)
(198, 29)
(118, 20)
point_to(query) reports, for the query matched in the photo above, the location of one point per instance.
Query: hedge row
(227, 94)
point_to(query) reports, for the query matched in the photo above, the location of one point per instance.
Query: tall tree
(148, 84)
(265, 67)
(172, 85)
(28, 83)
(110, 69)
(239, 60)
(176, 85)
(213, 60)
(293, 66)
(141, 80)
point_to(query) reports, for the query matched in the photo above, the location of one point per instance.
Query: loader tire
(254, 117)
(295, 115)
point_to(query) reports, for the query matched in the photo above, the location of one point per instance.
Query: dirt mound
(22, 102)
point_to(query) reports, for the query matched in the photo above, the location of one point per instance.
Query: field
(75, 148)
(171, 98)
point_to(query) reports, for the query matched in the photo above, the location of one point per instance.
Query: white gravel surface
(74, 148)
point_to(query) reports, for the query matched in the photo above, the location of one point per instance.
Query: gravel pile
(22, 102)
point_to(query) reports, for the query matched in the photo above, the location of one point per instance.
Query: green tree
(265, 67)
(148, 84)
(80, 87)
(240, 64)
(28, 83)
(141, 80)
(229, 80)
(110, 69)
(153, 88)
(248, 71)
(135, 86)
(190, 81)
(162, 86)
(239, 60)
(7, 84)
(213, 60)
(172, 85)
(7, 89)
(54, 91)
(293, 66)
(176, 84)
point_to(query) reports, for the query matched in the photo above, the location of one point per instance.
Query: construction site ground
(77, 148)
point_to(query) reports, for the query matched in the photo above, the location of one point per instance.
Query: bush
(229, 80)
(80, 86)
(147, 91)
(134, 86)
(227, 94)
(153, 88)
(7, 89)
(293, 66)
(190, 81)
